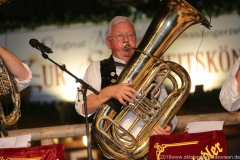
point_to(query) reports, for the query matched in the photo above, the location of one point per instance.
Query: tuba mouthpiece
(126, 46)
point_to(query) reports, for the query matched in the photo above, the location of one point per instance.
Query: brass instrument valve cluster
(4, 84)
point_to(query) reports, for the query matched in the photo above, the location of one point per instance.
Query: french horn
(9, 86)
(147, 72)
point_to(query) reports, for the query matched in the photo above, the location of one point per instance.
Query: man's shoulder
(94, 63)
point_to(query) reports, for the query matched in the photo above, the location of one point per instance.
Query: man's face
(120, 34)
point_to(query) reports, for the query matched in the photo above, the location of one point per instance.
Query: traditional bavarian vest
(109, 77)
(108, 72)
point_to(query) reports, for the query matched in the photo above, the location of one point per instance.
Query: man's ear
(107, 41)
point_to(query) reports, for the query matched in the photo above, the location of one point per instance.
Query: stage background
(77, 45)
(49, 100)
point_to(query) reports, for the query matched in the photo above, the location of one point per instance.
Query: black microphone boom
(40, 46)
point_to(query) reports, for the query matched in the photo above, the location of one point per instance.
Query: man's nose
(125, 38)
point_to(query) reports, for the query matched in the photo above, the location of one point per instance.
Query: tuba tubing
(144, 67)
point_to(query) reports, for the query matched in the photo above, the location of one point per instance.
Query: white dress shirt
(229, 96)
(25, 83)
(93, 78)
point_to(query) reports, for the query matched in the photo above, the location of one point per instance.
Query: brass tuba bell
(147, 72)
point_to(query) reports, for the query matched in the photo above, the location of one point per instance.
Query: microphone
(40, 46)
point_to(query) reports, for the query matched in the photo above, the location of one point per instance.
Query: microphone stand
(85, 86)
(4, 131)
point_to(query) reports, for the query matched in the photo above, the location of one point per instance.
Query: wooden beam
(229, 118)
(79, 130)
(75, 130)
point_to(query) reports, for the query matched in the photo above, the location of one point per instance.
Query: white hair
(117, 20)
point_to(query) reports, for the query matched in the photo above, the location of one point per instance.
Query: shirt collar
(118, 60)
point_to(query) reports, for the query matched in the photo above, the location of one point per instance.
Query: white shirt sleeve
(25, 83)
(229, 96)
(93, 78)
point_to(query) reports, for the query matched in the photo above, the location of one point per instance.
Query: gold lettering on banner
(160, 148)
(210, 154)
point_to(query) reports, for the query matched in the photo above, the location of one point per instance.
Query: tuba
(147, 72)
(8, 85)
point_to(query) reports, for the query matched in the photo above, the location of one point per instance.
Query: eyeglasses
(120, 37)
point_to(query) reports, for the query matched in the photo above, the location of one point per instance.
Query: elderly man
(101, 75)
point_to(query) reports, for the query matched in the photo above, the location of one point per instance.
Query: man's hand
(158, 130)
(122, 92)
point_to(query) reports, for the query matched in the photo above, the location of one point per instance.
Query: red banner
(189, 146)
(47, 152)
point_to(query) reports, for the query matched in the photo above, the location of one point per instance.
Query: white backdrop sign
(208, 59)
